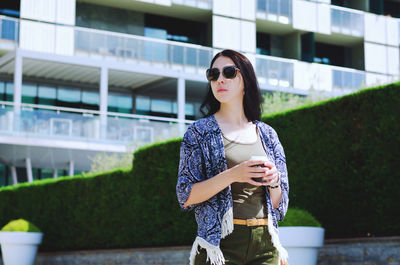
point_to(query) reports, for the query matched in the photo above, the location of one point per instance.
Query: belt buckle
(251, 222)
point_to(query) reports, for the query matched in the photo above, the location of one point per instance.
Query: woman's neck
(232, 114)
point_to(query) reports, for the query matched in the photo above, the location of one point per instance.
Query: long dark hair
(252, 98)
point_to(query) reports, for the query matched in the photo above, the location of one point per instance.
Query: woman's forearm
(275, 195)
(204, 190)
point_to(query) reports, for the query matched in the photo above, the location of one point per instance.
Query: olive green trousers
(246, 245)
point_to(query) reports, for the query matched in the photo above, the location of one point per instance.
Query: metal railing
(204, 4)
(59, 123)
(275, 10)
(343, 78)
(347, 21)
(103, 43)
(274, 71)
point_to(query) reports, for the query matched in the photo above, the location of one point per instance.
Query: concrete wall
(365, 251)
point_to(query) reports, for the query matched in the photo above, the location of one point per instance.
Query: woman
(237, 202)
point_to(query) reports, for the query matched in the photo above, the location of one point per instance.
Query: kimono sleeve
(191, 167)
(280, 163)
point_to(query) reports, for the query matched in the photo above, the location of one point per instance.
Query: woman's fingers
(254, 183)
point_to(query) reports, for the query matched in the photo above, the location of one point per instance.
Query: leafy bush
(298, 217)
(20, 225)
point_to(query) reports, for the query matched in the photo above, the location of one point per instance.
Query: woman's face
(227, 90)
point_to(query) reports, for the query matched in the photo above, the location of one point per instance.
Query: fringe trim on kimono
(283, 255)
(227, 223)
(214, 253)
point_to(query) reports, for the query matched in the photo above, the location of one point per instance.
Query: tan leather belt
(251, 222)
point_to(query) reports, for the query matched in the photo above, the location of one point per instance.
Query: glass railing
(275, 10)
(347, 21)
(9, 30)
(274, 71)
(204, 4)
(168, 53)
(85, 125)
(347, 79)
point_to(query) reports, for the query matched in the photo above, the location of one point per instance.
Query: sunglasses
(228, 72)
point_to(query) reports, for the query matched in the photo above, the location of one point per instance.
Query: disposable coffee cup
(263, 158)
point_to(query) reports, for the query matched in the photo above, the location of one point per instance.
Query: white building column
(103, 101)
(181, 105)
(17, 88)
(71, 168)
(55, 173)
(28, 166)
(14, 175)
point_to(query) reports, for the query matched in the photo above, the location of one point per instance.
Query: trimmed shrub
(20, 225)
(299, 217)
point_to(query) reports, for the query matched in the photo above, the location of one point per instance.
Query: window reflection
(119, 103)
(47, 95)
(29, 93)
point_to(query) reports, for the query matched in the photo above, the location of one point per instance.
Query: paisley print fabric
(202, 156)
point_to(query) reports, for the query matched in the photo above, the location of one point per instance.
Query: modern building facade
(81, 77)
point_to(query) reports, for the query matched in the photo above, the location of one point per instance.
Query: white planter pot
(19, 248)
(302, 243)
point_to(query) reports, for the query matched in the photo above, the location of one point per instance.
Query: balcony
(130, 48)
(348, 78)
(275, 10)
(274, 72)
(56, 123)
(285, 75)
(347, 21)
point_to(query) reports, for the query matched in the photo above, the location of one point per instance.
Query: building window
(175, 29)
(29, 93)
(263, 43)
(67, 97)
(47, 95)
(9, 96)
(5, 176)
(90, 100)
(332, 54)
(160, 105)
(391, 8)
(121, 103)
(142, 105)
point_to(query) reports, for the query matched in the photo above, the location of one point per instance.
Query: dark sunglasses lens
(212, 74)
(229, 72)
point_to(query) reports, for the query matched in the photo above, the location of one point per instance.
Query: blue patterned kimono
(202, 156)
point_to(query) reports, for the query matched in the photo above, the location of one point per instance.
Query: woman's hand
(248, 171)
(272, 174)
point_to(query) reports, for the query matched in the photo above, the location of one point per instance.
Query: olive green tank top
(248, 201)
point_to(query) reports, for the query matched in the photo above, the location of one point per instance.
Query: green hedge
(342, 157)
(116, 209)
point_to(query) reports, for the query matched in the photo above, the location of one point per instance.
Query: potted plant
(301, 234)
(19, 241)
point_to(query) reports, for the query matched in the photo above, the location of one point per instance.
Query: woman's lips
(220, 90)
